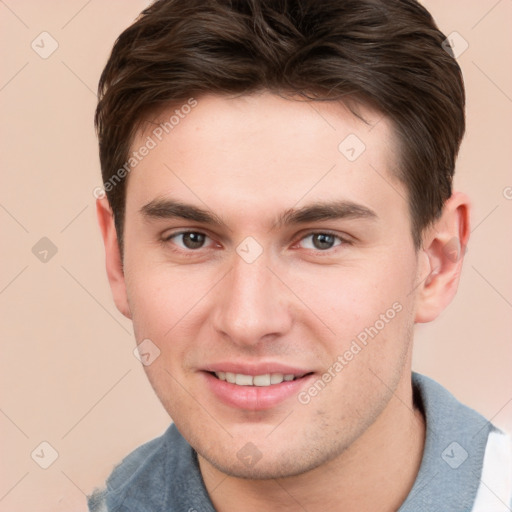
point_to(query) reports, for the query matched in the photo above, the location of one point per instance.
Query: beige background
(68, 374)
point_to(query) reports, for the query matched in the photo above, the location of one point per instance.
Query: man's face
(306, 243)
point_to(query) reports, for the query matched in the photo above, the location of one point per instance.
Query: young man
(278, 215)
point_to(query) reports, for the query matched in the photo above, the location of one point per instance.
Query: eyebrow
(171, 209)
(317, 211)
(332, 210)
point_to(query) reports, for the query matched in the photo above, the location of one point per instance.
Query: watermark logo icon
(453, 250)
(249, 455)
(454, 455)
(146, 352)
(44, 45)
(455, 44)
(249, 249)
(44, 455)
(44, 250)
(351, 147)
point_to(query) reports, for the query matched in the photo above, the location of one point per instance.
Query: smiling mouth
(264, 380)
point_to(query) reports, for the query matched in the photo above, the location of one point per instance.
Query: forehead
(261, 150)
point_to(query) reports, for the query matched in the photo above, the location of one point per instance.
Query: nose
(252, 304)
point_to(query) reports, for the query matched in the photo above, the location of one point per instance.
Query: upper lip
(256, 368)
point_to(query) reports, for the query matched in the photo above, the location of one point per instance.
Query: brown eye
(193, 240)
(189, 239)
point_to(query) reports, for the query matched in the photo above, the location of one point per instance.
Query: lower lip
(255, 398)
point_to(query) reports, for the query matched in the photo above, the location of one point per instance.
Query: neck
(376, 473)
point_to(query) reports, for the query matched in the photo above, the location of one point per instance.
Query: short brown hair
(386, 53)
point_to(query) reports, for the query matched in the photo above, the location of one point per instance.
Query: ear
(444, 245)
(113, 259)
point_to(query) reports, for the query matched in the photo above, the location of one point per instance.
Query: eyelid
(167, 238)
(344, 238)
(170, 233)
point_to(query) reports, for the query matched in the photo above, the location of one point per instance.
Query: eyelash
(342, 241)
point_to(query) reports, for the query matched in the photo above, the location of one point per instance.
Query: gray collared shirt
(163, 475)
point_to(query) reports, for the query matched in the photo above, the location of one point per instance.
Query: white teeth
(266, 379)
(276, 378)
(243, 380)
(262, 380)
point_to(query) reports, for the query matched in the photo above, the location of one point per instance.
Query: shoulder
(148, 459)
(145, 477)
(459, 447)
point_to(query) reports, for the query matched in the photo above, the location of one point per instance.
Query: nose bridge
(251, 305)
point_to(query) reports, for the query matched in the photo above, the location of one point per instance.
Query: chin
(263, 470)
(269, 463)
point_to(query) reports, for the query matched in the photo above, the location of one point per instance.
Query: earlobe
(113, 260)
(441, 262)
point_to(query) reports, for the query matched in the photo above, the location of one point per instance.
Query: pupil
(323, 241)
(193, 240)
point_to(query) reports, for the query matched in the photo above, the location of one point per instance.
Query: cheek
(368, 308)
(353, 296)
(170, 307)
(162, 298)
